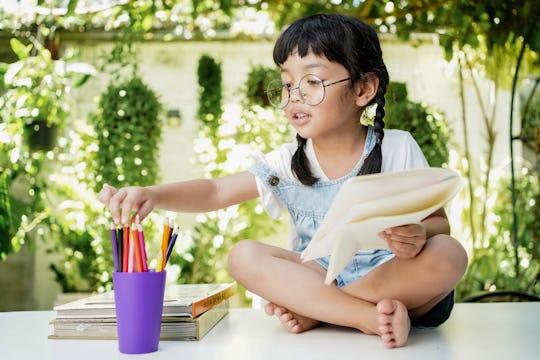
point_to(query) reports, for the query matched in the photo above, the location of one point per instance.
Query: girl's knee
(241, 258)
(447, 255)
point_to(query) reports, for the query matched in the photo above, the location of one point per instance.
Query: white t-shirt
(399, 152)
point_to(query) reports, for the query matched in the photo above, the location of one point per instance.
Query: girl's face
(337, 114)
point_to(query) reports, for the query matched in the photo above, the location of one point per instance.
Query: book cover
(180, 328)
(368, 204)
(180, 300)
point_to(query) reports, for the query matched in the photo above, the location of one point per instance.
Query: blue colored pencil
(171, 243)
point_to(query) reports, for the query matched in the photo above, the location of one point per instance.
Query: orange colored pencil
(164, 245)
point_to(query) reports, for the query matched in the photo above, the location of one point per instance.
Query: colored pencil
(120, 242)
(131, 257)
(160, 265)
(125, 259)
(164, 245)
(171, 243)
(137, 247)
(142, 245)
(114, 246)
(171, 227)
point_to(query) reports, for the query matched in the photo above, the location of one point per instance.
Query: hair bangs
(309, 36)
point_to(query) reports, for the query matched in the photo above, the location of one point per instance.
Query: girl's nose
(295, 94)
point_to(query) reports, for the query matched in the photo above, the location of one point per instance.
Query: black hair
(351, 43)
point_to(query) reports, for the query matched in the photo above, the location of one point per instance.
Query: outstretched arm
(199, 195)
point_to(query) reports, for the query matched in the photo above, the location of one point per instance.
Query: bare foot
(394, 322)
(294, 323)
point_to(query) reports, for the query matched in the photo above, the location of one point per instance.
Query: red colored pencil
(142, 245)
(125, 255)
(137, 246)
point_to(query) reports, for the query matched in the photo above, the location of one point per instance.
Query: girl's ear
(366, 90)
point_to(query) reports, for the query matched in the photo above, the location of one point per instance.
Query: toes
(285, 317)
(384, 319)
(385, 329)
(386, 306)
(278, 310)
(296, 329)
(270, 309)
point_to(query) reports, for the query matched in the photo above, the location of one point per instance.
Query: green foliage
(257, 82)
(6, 223)
(80, 265)
(530, 118)
(127, 132)
(36, 86)
(466, 20)
(498, 263)
(35, 98)
(75, 228)
(206, 257)
(128, 135)
(120, 148)
(210, 96)
(426, 124)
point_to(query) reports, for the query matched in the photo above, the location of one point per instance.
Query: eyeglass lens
(310, 89)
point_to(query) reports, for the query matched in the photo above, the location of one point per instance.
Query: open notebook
(368, 204)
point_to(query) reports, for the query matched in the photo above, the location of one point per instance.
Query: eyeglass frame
(289, 90)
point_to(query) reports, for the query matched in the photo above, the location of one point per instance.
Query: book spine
(206, 304)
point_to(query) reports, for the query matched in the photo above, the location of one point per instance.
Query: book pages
(180, 300)
(368, 204)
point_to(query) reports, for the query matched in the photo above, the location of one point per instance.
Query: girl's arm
(187, 196)
(408, 240)
(437, 223)
(204, 195)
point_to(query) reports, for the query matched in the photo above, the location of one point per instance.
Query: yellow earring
(368, 115)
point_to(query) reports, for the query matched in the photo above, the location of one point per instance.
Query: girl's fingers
(106, 193)
(126, 205)
(145, 209)
(117, 205)
(125, 201)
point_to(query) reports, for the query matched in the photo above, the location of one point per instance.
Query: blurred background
(131, 92)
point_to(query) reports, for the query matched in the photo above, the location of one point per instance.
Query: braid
(300, 164)
(373, 163)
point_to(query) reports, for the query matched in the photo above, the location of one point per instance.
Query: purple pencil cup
(138, 297)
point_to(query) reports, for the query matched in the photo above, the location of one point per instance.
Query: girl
(332, 86)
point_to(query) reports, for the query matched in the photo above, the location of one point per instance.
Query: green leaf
(20, 49)
(81, 80)
(72, 5)
(147, 22)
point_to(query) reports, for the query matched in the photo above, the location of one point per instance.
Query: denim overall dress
(307, 206)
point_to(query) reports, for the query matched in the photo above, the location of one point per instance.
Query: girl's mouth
(300, 118)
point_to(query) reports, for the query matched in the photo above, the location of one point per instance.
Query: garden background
(137, 92)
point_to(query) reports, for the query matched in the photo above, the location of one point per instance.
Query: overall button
(274, 181)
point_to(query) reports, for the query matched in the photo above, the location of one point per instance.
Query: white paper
(368, 204)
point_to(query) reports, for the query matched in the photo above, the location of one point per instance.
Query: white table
(474, 331)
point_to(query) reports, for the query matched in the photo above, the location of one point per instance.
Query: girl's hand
(121, 202)
(405, 241)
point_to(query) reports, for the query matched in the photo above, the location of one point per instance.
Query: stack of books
(189, 312)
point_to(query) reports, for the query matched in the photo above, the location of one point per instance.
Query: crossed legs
(381, 302)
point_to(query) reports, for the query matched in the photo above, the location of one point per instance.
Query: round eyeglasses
(311, 88)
